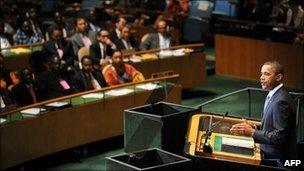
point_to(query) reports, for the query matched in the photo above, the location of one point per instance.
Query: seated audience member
(57, 46)
(6, 99)
(278, 12)
(126, 41)
(31, 16)
(119, 72)
(254, 10)
(178, 6)
(25, 93)
(65, 27)
(4, 72)
(51, 82)
(92, 21)
(295, 15)
(5, 39)
(120, 23)
(162, 39)
(102, 50)
(83, 36)
(87, 79)
(25, 34)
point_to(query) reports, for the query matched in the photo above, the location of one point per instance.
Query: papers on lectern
(237, 142)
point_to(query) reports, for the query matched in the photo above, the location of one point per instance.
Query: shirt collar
(271, 92)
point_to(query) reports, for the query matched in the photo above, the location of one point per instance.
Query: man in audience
(25, 34)
(31, 16)
(102, 50)
(6, 99)
(92, 21)
(25, 93)
(5, 39)
(51, 83)
(278, 131)
(87, 79)
(126, 42)
(65, 27)
(162, 39)
(57, 46)
(119, 25)
(278, 12)
(83, 36)
(119, 72)
(295, 15)
(4, 72)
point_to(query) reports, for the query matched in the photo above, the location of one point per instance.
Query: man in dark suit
(120, 23)
(51, 82)
(126, 42)
(57, 46)
(4, 72)
(162, 39)
(25, 93)
(83, 36)
(6, 99)
(278, 131)
(87, 79)
(102, 50)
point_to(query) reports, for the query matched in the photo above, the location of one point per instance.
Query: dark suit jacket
(77, 41)
(113, 35)
(7, 97)
(49, 87)
(95, 53)
(49, 50)
(152, 42)
(120, 45)
(22, 94)
(79, 82)
(5, 74)
(278, 132)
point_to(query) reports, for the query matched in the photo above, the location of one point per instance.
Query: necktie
(266, 103)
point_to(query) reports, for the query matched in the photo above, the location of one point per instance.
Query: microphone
(207, 147)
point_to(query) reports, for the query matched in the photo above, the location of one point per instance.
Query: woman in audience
(119, 72)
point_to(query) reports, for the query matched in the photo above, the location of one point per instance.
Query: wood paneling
(243, 57)
(54, 131)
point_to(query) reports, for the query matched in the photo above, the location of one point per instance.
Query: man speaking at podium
(278, 130)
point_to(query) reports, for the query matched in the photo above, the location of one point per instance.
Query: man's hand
(245, 128)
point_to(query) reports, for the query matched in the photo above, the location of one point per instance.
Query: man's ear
(279, 77)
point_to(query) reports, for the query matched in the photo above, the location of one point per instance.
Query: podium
(224, 146)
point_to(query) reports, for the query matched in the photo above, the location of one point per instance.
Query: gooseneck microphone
(207, 147)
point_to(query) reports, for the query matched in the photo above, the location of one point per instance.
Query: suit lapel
(270, 103)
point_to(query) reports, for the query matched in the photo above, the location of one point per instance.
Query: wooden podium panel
(235, 152)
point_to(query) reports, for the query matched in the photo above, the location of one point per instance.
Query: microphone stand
(206, 146)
